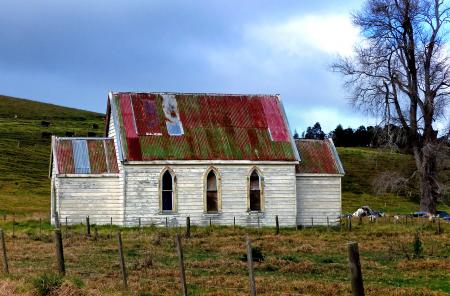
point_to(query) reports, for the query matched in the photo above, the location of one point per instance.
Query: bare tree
(401, 71)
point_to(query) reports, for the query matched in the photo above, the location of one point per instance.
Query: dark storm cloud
(73, 52)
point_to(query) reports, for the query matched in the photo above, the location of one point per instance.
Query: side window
(255, 192)
(212, 193)
(167, 194)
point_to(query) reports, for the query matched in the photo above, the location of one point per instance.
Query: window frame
(261, 190)
(174, 191)
(205, 191)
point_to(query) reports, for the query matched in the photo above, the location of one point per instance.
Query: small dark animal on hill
(45, 123)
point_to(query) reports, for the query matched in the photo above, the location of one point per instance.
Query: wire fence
(73, 237)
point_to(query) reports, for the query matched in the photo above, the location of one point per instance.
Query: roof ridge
(83, 138)
(197, 93)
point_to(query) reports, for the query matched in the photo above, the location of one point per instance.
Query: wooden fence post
(66, 233)
(234, 223)
(350, 223)
(122, 261)
(188, 227)
(184, 291)
(258, 222)
(139, 224)
(251, 277)
(210, 222)
(88, 227)
(355, 269)
(59, 252)
(4, 257)
(57, 224)
(439, 226)
(167, 223)
(110, 229)
(14, 226)
(277, 225)
(312, 221)
(40, 228)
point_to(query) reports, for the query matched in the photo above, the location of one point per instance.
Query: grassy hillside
(25, 150)
(363, 165)
(25, 153)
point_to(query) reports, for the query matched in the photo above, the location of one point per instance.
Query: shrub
(46, 283)
(417, 246)
(256, 254)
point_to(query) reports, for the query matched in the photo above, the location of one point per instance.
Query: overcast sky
(73, 52)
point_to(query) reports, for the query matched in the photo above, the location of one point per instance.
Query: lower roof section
(318, 157)
(84, 156)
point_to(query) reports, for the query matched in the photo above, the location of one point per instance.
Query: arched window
(212, 192)
(167, 192)
(255, 192)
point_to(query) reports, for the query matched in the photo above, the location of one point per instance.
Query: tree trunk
(426, 162)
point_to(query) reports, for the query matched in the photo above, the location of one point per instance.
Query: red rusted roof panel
(212, 126)
(64, 157)
(316, 157)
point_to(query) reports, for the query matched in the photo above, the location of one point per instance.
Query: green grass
(362, 165)
(25, 153)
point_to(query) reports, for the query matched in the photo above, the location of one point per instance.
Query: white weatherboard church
(212, 157)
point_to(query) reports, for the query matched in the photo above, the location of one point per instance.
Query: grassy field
(306, 262)
(296, 262)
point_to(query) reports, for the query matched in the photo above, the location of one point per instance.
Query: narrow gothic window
(167, 192)
(212, 204)
(255, 192)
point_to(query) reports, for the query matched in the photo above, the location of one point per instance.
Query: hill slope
(25, 152)
(25, 149)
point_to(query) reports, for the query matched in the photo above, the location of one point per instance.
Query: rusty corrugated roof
(170, 126)
(318, 157)
(85, 155)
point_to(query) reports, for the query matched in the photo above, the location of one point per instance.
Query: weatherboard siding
(142, 195)
(318, 197)
(100, 198)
